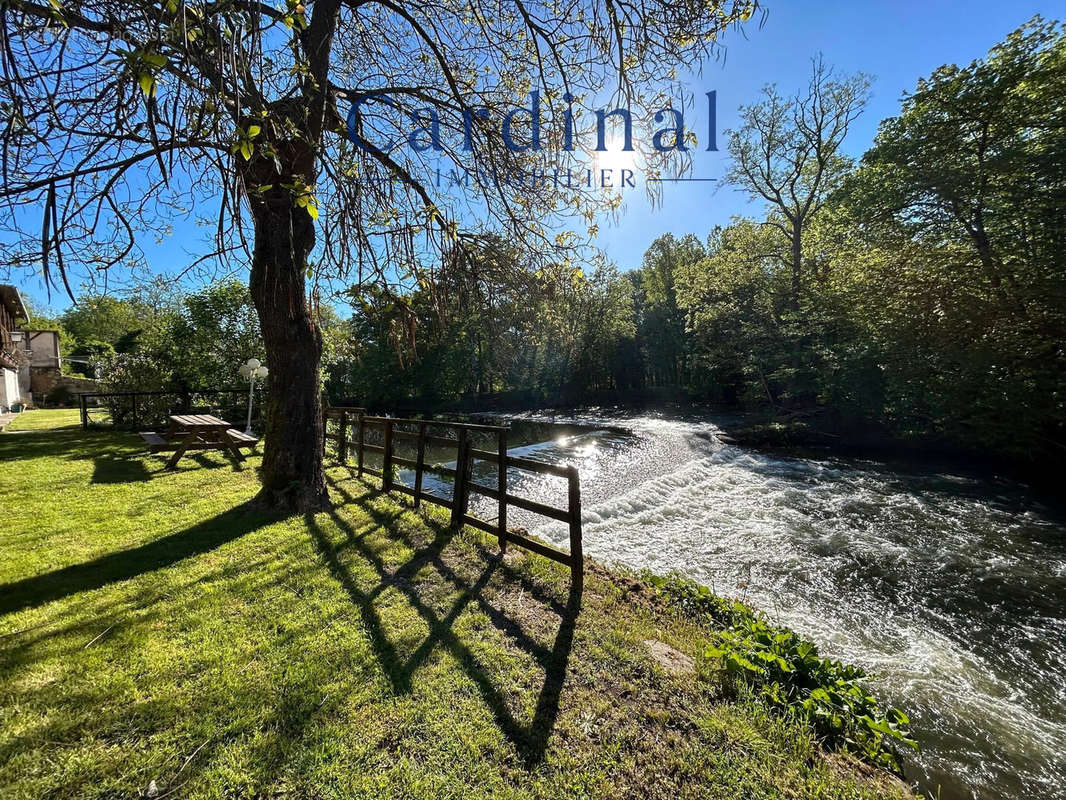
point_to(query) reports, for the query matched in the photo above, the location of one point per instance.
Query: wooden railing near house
(350, 428)
(8, 347)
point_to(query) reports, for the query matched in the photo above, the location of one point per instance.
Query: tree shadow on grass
(530, 740)
(126, 564)
(109, 447)
(74, 445)
(199, 460)
(169, 699)
(108, 469)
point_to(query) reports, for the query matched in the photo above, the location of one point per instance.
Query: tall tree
(120, 322)
(952, 248)
(120, 114)
(787, 153)
(977, 157)
(216, 329)
(733, 301)
(662, 323)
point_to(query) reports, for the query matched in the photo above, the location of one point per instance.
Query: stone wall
(45, 380)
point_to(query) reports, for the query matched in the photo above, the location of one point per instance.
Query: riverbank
(820, 435)
(818, 432)
(157, 636)
(949, 587)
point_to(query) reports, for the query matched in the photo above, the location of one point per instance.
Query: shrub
(137, 372)
(786, 672)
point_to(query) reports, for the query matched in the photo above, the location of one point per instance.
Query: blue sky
(894, 42)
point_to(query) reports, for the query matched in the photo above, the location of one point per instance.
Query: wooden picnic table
(198, 432)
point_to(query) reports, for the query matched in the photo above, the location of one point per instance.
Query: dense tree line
(498, 324)
(918, 292)
(160, 337)
(932, 296)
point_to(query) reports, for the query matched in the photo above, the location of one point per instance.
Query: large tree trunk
(292, 474)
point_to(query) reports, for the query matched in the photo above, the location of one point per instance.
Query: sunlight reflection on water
(951, 590)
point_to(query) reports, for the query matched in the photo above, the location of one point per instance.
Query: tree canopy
(123, 114)
(932, 299)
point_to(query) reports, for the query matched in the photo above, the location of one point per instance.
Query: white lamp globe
(246, 371)
(253, 363)
(262, 372)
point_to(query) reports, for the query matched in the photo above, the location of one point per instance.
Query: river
(949, 589)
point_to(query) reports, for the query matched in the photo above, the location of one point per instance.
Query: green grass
(154, 629)
(52, 419)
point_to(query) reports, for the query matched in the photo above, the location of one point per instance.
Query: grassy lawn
(53, 419)
(157, 638)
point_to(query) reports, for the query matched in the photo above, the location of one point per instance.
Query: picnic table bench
(197, 432)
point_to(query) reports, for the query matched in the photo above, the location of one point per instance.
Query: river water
(950, 589)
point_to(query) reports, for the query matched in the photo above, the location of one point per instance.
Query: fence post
(386, 464)
(459, 489)
(577, 556)
(325, 430)
(342, 444)
(420, 461)
(84, 412)
(501, 487)
(359, 454)
(134, 404)
(468, 474)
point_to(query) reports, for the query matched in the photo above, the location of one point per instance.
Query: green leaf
(147, 84)
(898, 716)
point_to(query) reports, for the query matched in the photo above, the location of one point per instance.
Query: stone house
(12, 354)
(30, 360)
(39, 376)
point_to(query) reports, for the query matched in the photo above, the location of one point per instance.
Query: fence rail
(349, 420)
(134, 410)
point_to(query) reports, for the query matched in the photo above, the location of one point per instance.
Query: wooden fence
(352, 426)
(137, 410)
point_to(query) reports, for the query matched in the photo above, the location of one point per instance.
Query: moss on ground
(158, 637)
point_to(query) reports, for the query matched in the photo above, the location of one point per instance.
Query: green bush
(137, 372)
(785, 671)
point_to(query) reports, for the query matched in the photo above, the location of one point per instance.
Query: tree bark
(797, 262)
(293, 478)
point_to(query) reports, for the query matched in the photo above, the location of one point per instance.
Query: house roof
(11, 298)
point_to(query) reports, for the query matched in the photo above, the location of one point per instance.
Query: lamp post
(250, 371)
